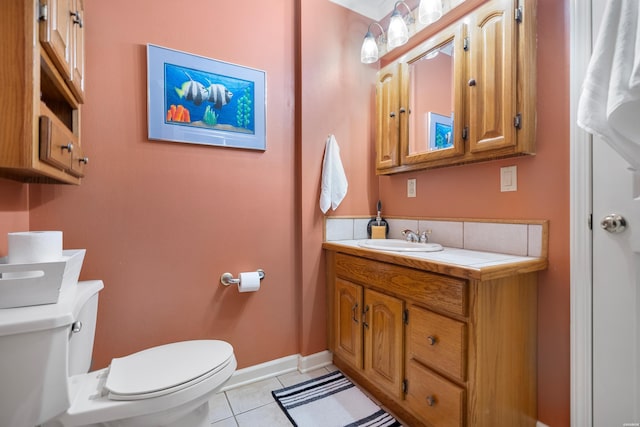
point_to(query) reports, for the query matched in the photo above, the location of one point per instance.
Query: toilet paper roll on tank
(34, 246)
(25, 247)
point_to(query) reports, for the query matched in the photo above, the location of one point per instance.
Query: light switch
(411, 187)
(509, 178)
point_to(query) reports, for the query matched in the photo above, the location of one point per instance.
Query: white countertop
(464, 258)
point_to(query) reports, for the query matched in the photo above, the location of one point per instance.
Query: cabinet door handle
(353, 310)
(68, 147)
(403, 110)
(76, 18)
(392, 114)
(84, 160)
(432, 340)
(431, 400)
(364, 317)
(472, 82)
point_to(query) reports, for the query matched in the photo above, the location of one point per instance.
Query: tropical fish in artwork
(193, 91)
(219, 95)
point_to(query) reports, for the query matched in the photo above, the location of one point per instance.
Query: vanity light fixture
(398, 33)
(369, 51)
(429, 11)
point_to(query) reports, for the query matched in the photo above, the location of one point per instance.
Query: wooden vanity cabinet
(463, 345)
(494, 91)
(43, 91)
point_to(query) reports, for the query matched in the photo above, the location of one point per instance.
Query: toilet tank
(83, 331)
(35, 347)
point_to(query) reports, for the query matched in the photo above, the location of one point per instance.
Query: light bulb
(369, 51)
(429, 11)
(398, 33)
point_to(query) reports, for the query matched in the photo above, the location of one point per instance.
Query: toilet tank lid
(165, 366)
(49, 316)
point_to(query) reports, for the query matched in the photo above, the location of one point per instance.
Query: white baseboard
(277, 367)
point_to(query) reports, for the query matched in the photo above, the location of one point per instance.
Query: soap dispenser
(377, 228)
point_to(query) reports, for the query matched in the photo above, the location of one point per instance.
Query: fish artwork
(219, 95)
(193, 91)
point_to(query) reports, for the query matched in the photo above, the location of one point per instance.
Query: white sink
(397, 245)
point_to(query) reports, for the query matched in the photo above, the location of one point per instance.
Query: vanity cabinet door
(348, 322)
(388, 111)
(492, 91)
(383, 339)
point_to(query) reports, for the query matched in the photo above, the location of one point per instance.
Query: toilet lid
(165, 369)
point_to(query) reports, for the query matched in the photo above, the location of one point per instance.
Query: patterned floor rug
(331, 401)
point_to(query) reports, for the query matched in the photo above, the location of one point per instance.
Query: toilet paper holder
(228, 279)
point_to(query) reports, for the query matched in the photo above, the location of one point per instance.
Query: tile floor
(253, 405)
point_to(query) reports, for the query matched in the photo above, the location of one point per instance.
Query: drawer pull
(431, 401)
(68, 147)
(84, 160)
(353, 310)
(432, 340)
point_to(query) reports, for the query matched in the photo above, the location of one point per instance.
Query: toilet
(45, 379)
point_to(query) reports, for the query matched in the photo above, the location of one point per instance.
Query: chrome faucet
(413, 236)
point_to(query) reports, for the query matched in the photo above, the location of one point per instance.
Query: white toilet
(45, 355)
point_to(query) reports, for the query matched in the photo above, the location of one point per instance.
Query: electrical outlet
(509, 178)
(411, 187)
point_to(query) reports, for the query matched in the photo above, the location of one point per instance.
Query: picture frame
(440, 131)
(198, 100)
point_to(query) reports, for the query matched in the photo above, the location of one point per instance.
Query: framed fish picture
(198, 100)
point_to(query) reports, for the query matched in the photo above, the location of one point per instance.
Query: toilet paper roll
(32, 246)
(249, 281)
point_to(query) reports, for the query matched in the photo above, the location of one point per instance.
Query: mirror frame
(455, 33)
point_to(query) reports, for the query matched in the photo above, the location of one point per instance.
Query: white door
(616, 292)
(616, 283)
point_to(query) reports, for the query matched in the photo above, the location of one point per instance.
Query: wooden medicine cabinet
(465, 95)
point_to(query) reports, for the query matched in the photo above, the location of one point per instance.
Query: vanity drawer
(437, 341)
(434, 399)
(441, 293)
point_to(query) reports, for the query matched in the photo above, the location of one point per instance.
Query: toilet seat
(165, 369)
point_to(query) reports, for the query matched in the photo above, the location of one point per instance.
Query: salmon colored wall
(14, 210)
(336, 97)
(162, 221)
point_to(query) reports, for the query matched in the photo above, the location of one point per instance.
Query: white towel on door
(334, 181)
(609, 105)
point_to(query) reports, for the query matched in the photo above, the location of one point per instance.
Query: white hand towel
(609, 105)
(334, 181)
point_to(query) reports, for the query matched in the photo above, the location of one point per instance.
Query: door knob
(614, 223)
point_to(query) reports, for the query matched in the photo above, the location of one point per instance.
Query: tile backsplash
(522, 238)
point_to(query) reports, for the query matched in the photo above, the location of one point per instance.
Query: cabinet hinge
(518, 14)
(517, 121)
(590, 221)
(465, 132)
(43, 12)
(405, 386)
(465, 43)
(405, 317)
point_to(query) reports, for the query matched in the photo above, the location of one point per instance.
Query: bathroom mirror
(434, 98)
